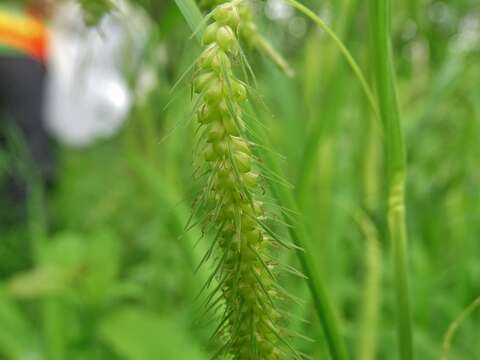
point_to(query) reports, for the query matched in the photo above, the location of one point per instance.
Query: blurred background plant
(108, 271)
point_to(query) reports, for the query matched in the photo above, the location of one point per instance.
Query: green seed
(250, 179)
(254, 236)
(206, 114)
(220, 62)
(209, 153)
(221, 148)
(248, 224)
(229, 182)
(240, 91)
(214, 91)
(243, 162)
(214, 59)
(201, 82)
(216, 131)
(240, 145)
(227, 14)
(210, 34)
(230, 126)
(225, 38)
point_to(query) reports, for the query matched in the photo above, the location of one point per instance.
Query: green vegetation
(334, 144)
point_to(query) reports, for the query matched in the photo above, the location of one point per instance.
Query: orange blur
(24, 33)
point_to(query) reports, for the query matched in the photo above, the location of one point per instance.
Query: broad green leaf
(137, 334)
(42, 281)
(16, 333)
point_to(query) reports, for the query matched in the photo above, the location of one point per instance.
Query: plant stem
(396, 166)
(371, 300)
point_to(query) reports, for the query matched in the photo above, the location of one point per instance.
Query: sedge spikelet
(250, 326)
(249, 33)
(243, 11)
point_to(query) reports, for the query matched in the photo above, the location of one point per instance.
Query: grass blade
(192, 15)
(452, 329)
(396, 167)
(367, 342)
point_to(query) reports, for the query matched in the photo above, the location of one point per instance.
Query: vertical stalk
(371, 300)
(380, 12)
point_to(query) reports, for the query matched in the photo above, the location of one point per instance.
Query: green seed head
(205, 58)
(243, 162)
(249, 223)
(228, 183)
(214, 59)
(209, 153)
(258, 208)
(254, 236)
(240, 145)
(224, 171)
(232, 199)
(210, 34)
(246, 13)
(250, 179)
(227, 108)
(220, 62)
(201, 82)
(221, 148)
(226, 38)
(206, 114)
(214, 91)
(239, 91)
(230, 126)
(227, 14)
(216, 131)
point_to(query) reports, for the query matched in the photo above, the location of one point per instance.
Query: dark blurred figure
(23, 65)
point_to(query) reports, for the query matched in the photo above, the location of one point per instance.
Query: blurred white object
(87, 95)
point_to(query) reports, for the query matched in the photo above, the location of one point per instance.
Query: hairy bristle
(249, 327)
